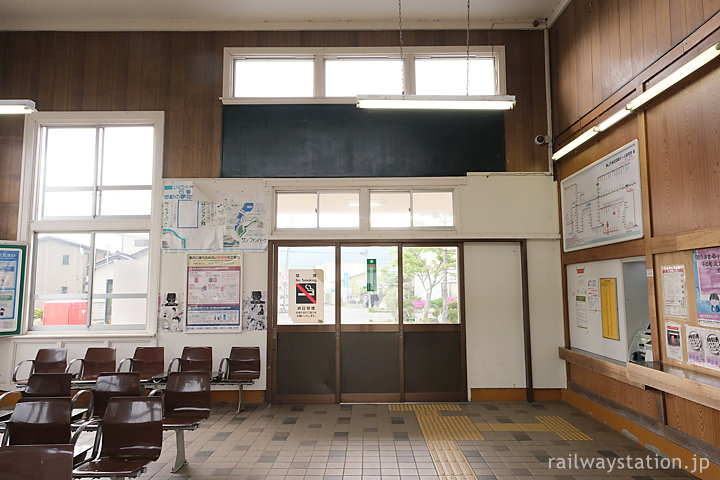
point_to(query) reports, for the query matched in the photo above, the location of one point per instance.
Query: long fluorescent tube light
(674, 77)
(613, 119)
(576, 143)
(10, 107)
(447, 102)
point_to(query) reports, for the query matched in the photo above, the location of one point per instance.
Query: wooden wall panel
(181, 73)
(684, 156)
(597, 47)
(694, 419)
(642, 401)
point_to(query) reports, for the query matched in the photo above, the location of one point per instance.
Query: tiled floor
(403, 442)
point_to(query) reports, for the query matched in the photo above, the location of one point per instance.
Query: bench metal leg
(241, 407)
(180, 449)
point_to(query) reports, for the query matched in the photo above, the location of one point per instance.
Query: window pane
(121, 263)
(448, 76)
(430, 285)
(297, 210)
(291, 259)
(432, 209)
(350, 77)
(67, 204)
(118, 311)
(61, 279)
(389, 209)
(369, 297)
(127, 156)
(125, 202)
(339, 210)
(273, 78)
(70, 157)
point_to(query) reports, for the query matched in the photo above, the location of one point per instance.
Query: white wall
(488, 206)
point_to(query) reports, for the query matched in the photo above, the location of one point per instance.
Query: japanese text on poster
(674, 295)
(608, 300)
(673, 341)
(307, 296)
(703, 345)
(581, 299)
(213, 293)
(255, 310)
(706, 263)
(12, 275)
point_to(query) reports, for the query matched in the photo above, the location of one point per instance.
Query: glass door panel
(430, 285)
(306, 285)
(369, 290)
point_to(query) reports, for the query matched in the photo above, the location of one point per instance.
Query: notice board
(296, 141)
(12, 282)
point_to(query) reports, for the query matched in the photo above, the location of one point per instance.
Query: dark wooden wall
(598, 46)
(602, 54)
(181, 74)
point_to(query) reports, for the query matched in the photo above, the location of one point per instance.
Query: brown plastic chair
(186, 403)
(47, 360)
(97, 360)
(148, 361)
(241, 368)
(193, 359)
(131, 437)
(112, 385)
(43, 385)
(36, 462)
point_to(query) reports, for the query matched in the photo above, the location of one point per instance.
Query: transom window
(90, 177)
(336, 75)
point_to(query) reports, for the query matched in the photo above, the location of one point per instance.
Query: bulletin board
(12, 283)
(689, 332)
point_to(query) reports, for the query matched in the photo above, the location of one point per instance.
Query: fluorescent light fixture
(437, 102)
(613, 119)
(10, 107)
(576, 143)
(674, 77)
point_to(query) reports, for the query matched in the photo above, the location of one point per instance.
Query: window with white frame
(318, 209)
(411, 209)
(91, 180)
(337, 75)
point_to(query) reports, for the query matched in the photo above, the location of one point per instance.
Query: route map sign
(602, 204)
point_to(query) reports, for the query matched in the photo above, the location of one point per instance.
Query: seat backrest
(40, 421)
(110, 385)
(196, 359)
(149, 362)
(244, 364)
(98, 360)
(132, 427)
(50, 360)
(36, 462)
(48, 385)
(188, 394)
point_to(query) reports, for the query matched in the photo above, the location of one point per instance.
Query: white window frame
(29, 227)
(319, 55)
(317, 194)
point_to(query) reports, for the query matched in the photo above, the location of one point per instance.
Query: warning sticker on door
(307, 305)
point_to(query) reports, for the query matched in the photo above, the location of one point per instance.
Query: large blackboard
(344, 141)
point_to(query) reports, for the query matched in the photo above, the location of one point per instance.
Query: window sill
(35, 335)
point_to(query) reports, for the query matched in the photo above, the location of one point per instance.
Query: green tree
(430, 266)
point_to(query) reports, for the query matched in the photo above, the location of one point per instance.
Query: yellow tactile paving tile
(449, 461)
(563, 428)
(505, 427)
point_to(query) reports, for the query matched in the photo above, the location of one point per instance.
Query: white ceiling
(138, 15)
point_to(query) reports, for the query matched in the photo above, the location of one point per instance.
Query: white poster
(255, 310)
(593, 296)
(673, 341)
(187, 218)
(213, 293)
(703, 346)
(674, 293)
(307, 296)
(171, 313)
(581, 306)
(244, 219)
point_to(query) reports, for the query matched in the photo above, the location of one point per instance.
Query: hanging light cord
(467, 52)
(402, 57)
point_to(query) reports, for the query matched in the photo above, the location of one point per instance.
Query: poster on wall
(187, 218)
(601, 204)
(307, 295)
(243, 219)
(171, 312)
(12, 280)
(213, 293)
(593, 297)
(608, 300)
(706, 266)
(674, 293)
(581, 306)
(703, 345)
(673, 341)
(255, 310)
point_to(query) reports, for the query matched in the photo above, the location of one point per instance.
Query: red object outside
(71, 312)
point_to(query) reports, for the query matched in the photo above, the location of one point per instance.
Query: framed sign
(12, 281)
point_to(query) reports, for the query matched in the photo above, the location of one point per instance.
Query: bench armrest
(17, 369)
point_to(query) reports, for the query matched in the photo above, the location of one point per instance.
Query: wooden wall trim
(709, 237)
(609, 369)
(701, 393)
